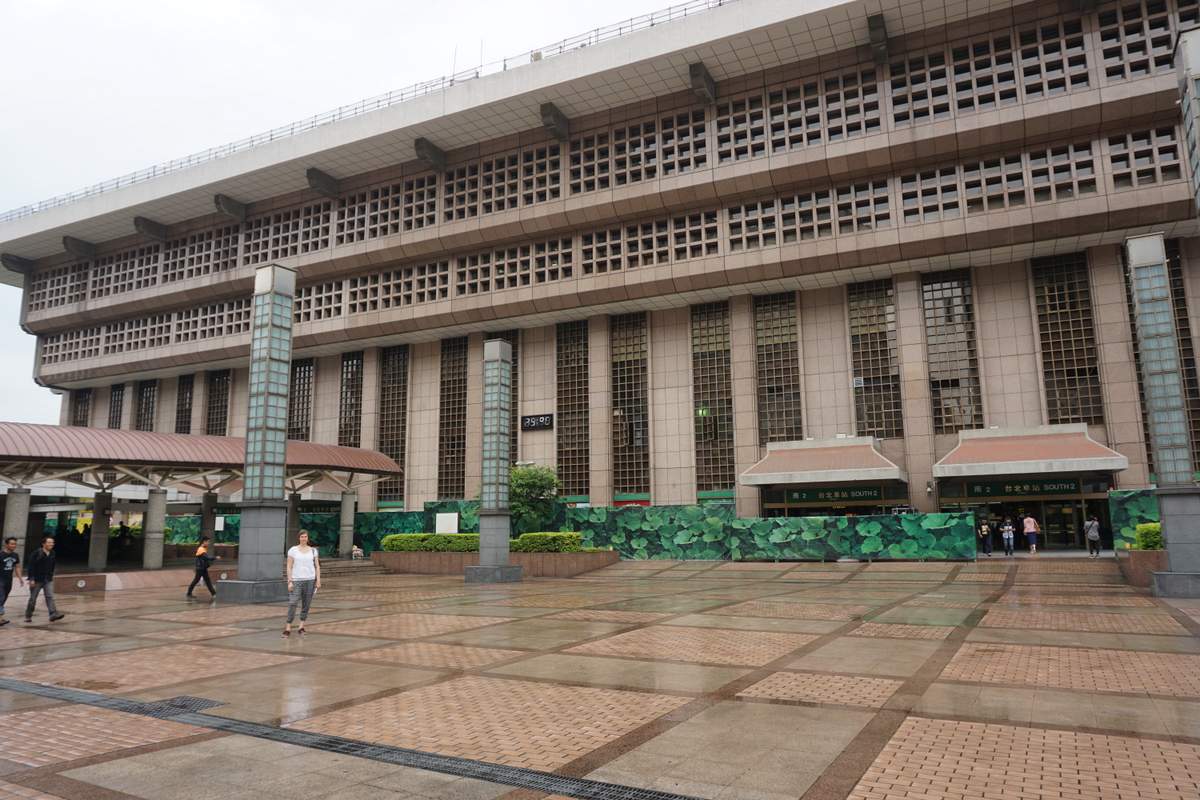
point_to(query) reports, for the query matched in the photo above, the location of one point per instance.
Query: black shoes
(57, 617)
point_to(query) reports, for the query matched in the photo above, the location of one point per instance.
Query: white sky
(94, 90)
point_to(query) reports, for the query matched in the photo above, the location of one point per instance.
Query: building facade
(789, 260)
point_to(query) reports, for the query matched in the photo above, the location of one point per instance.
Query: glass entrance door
(1061, 527)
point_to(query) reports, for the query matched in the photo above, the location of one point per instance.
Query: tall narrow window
(630, 405)
(1070, 361)
(777, 369)
(877, 405)
(393, 416)
(350, 400)
(712, 397)
(116, 405)
(216, 412)
(514, 340)
(452, 438)
(572, 438)
(183, 403)
(950, 347)
(147, 396)
(299, 422)
(81, 408)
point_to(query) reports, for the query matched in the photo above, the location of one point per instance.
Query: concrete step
(341, 568)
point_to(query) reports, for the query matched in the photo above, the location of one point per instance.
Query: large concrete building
(802, 257)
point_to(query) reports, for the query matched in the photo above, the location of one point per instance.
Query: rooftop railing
(416, 90)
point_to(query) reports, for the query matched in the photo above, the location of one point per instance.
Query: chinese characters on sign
(834, 494)
(1024, 487)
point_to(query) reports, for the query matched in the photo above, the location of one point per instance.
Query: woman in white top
(304, 578)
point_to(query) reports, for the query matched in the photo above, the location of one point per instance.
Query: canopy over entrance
(848, 459)
(1046, 449)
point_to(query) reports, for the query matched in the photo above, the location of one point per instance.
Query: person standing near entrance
(41, 579)
(10, 567)
(204, 559)
(303, 579)
(1091, 532)
(1007, 530)
(985, 536)
(1031, 533)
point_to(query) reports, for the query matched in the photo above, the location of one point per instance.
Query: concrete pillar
(745, 401)
(326, 399)
(16, 516)
(539, 393)
(293, 520)
(824, 337)
(129, 406)
(1006, 332)
(199, 403)
(473, 473)
(208, 514)
(153, 528)
(346, 524)
(600, 413)
(917, 405)
(424, 402)
(672, 421)
(370, 420)
(98, 547)
(239, 400)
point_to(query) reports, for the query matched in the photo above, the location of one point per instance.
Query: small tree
(531, 494)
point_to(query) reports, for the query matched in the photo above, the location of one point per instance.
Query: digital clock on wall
(537, 422)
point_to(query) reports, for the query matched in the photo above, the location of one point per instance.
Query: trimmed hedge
(469, 543)
(1148, 536)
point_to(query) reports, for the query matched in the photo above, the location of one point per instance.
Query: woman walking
(1006, 531)
(1031, 533)
(204, 560)
(303, 578)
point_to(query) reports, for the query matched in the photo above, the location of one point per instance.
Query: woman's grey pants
(302, 592)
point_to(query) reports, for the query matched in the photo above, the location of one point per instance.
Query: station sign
(1024, 487)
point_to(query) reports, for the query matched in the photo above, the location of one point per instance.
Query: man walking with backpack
(1091, 532)
(41, 579)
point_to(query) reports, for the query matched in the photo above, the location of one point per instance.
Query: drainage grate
(187, 710)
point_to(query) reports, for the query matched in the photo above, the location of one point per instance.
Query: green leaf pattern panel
(1128, 508)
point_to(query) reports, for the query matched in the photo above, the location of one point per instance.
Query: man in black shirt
(41, 579)
(10, 565)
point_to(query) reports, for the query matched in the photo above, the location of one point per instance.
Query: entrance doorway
(1061, 521)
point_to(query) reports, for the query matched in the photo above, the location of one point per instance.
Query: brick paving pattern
(406, 626)
(902, 631)
(431, 654)
(195, 634)
(701, 645)
(1046, 599)
(601, 615)
(939, 759)
(501, 721)
(920, 602)
(17, 636)
(1092, 621)
(792, 609)
(810, 687)
(550, 601)
(980, 577)
(67, 733)
(222, 615)
(1173, 674)
(141, 669)
(11, 791)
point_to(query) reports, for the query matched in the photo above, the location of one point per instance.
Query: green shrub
(1148, 536)
(431, 542)
(547, 543)
(532, 491)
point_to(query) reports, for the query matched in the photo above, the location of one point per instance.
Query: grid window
(201, 253)
(184, 392)
(601, 251)
(1070, 361)
(131, 335)
(70, 346)
(499, 178)
(51, 288)
(571, 429)
(1053, 58)
(541, 174)
(216, 412)
(877, 404)
(460, 193)
(393, 417)
(830, 110)
(591, 164)
(452, 437)
(741, 125)
(228, 318)
(806, 216)
(81, 408)
(994, 184)
(712, 397)
(514, 341)
(399, 288)
(635, 153)
(777, 369)
(863, 207)
(350, 400)
(1144, 158)
(370, 214)
(985, 75)
(147, 396)
(753, 225)
(318, 301)
(300, 395)
(628, 338)
(420, 202)
(930, 195)
(256, 241)
(1063, 172)
(647, 244)
(116, 405)
(315, 222)
(695, 235)
(553, 260)
(949, 306)
(684, 142)
(920, 89)
(1135, 39)
(126, 271)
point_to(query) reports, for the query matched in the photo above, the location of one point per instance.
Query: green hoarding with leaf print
(713, 532)
(1128, 508)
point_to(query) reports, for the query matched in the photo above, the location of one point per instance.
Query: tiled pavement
(1021, 679)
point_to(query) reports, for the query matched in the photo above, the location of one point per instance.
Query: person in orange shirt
(204, 560)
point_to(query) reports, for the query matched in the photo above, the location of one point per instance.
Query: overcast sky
(95, 90)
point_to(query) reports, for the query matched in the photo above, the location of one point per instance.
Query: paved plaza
(1007, 679)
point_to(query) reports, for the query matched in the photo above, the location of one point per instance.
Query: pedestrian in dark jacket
(204, 559)
(41, 579)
